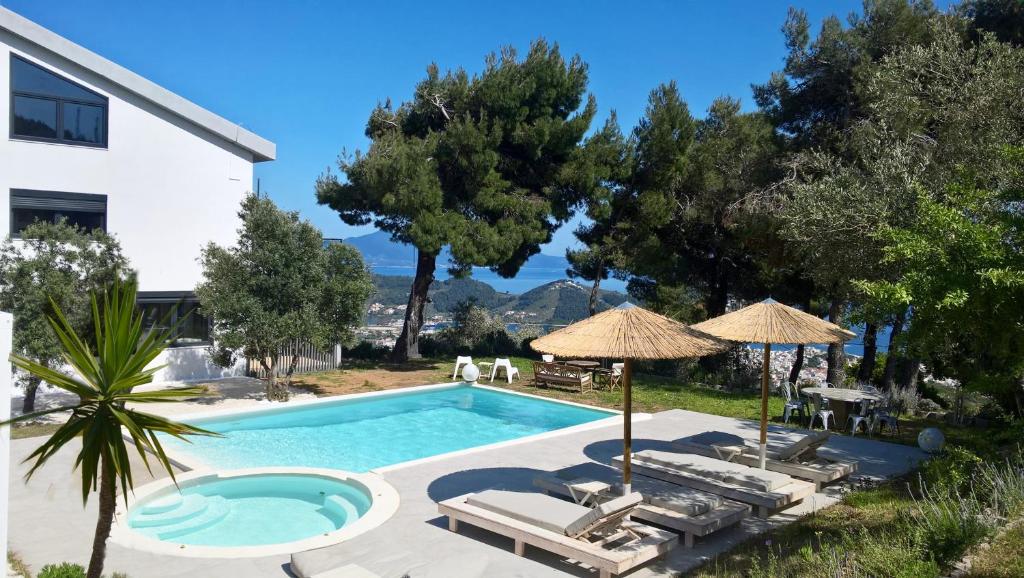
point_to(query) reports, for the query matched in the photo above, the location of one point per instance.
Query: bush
(367, 351)
(951, 472)
(928, 390)
(476, 332)
(62, 570)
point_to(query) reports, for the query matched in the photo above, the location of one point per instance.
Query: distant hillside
(562, 301)
(379, 250)
(557, 303)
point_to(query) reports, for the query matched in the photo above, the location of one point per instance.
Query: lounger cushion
(714, 469)
(539, 510)
(812, 439)
(603, 511)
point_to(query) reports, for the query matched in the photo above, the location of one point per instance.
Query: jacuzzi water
(360, 434)
(250, 510)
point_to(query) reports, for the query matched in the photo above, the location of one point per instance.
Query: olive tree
(280, 285)
(54, 264)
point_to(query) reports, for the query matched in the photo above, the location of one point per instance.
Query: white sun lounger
(797, 458)
(765, 489)
(692, 512)
(599, 537)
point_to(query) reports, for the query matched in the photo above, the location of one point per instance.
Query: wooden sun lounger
(692, 512)
(628, 546)
(795, 458)
(657, 465)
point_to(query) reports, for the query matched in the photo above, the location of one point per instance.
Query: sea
(527, 278)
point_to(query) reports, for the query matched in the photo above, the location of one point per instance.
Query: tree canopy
(278, 286)
(480, 163)
(54, 264)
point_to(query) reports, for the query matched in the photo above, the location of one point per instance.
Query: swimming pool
(361, 433)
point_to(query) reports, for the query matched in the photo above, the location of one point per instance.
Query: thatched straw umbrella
(771, 322)
(628, 332)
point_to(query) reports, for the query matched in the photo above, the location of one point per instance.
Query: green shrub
(367, 351)
(62, 570)
(928, 390)
(951, 471)
(949, 525)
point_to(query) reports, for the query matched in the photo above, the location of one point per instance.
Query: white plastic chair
(460, 361)
(820, 411)
(547, 358)
(506, 364)
(800, 405)
(861, 417)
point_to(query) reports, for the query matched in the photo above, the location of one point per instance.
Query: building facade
(86, 140)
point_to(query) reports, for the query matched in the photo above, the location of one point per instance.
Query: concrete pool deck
(48, 523)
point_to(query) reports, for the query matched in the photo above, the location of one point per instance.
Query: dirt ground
(356, 377)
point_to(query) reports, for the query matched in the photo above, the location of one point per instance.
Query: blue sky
(305, 74)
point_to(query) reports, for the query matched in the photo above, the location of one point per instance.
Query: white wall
(6, 325)
(171, 187)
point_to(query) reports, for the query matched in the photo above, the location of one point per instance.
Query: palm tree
(103, 379)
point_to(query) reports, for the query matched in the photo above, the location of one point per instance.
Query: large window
(164, 309)
(46, 107)
(81, 210)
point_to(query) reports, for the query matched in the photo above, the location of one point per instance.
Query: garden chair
(793, 402)
(459, 362)
(503, 363)
(887, 416)
(861, 417)
(820, 411)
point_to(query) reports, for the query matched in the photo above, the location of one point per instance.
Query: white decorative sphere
(470, 373)
(931, 440)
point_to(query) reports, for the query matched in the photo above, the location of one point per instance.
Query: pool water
(251, 510)
(360, 434)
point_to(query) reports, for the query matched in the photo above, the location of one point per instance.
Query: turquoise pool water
(252, 510)
(360, 434)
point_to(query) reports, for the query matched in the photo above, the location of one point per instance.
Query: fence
(310, 360)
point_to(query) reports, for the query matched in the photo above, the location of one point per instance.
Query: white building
(87, 140)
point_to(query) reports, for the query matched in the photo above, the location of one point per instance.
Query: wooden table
(847, 398)
(584, 364)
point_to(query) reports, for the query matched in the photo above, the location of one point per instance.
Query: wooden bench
(562, 375)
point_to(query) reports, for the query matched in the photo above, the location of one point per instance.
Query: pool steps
(341, 507)
(171, 517)
(165, 504)
(218, 510)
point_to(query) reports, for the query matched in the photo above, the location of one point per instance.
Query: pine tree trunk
(596, 289)
(28, 405)
(867, 363)
(889, 375)
(906, 372)
(836, 357)
(798, 364)
(408, 344)
(108, 502)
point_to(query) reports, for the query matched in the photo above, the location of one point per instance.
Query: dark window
(163, 309)
(81, 210)
(46, 107)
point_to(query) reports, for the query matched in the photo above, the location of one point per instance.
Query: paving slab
(49, 524)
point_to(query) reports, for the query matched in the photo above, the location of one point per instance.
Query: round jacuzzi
(254, 512)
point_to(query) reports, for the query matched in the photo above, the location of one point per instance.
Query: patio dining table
(848, 397)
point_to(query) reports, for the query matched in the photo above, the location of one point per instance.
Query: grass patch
(31, 430)
(1004, 558)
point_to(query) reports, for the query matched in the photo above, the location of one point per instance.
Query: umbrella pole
(764, 403)
(627, 426)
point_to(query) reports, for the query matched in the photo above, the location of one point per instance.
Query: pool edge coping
(384, 503)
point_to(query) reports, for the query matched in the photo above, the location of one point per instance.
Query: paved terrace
(48, 523)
